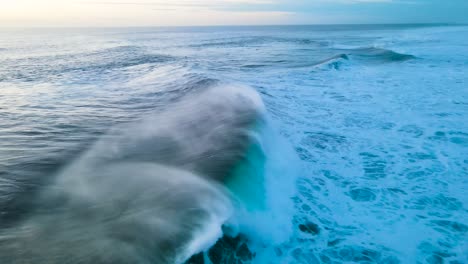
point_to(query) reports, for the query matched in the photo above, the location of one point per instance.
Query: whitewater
(281, 144)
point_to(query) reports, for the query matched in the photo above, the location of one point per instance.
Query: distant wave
(265, 64)
(369, 54)
(258, 40)
(30, 69)
(380, 54)
(232, 42)
(333, 62)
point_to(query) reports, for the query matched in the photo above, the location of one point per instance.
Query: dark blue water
(375, 117)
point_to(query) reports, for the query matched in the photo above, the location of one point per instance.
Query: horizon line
(253, 25)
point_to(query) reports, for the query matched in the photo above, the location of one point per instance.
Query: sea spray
(148, 192)
(263, 185)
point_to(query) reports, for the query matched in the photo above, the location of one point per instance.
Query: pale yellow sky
(26, 13)
(118, 13)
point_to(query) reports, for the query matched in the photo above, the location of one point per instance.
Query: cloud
(194, 5)
(296, 6)
(186, 3)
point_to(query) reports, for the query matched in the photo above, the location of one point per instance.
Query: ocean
(365, 147)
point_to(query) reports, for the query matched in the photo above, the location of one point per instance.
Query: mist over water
(355, 152)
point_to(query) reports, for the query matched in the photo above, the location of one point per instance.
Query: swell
(334, 62)
(92, 63)
(370, 55)
(363, 55)
(380, 55)
(259, 41)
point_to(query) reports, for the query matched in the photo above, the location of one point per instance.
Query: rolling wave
(91, 63)
(259, 40)
(380, 55)
(364, 55)
(334, 62)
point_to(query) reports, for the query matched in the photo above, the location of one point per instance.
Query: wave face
(354, 152)
(379, 54)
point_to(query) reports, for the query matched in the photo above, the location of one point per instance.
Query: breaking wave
(160, 190)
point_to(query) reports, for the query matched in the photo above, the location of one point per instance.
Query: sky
(105, 13)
